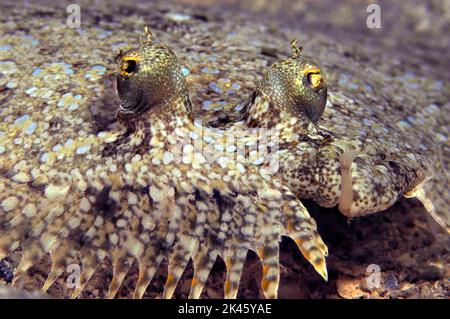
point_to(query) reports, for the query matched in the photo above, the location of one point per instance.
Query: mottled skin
(362, 174)
(144, 190)
(343, 116)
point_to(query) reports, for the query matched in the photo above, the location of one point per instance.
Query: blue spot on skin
(56, 148)
(210, 71)
(178, 17)
(231, 148)
(73, 107)
(432, 108)
(437, 85)
(353, 86)
(2, 149)
(406, 76)
(100, 69)
(30, 129)
(185, 71)
(206, 104)
(104, 34)
(368, 87)
(235, 86)
(213, 86)
(44, 157)
(81, 31)
(239, 107)
(33, 40)
(412, 86)
(68, 68)
(31, 90)
(5, 47)
(404, 123)
(36, 72)
(411, 119)
(208, 139)
(68, 142)
(83, 149)
(22, 119)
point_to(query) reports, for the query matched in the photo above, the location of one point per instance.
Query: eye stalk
(128, 66)
(312, 73)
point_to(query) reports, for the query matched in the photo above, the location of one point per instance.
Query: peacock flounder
(144, 190)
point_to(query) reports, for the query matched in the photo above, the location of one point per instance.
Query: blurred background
(405, 25)
(415, 28)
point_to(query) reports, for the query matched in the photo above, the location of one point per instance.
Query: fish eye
(128, 66)
(315, 79)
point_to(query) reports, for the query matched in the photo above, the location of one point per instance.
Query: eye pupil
(129, 66)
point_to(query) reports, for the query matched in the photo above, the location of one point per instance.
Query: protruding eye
(315, 79)
(128, 66)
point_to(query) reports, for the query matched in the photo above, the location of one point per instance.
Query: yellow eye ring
(315, 79)
(128, 66)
